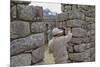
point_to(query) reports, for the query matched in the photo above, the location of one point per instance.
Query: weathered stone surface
(87, 10)
(76, 15)
(30, 13)
(90, 13)
(80, 56)
(79, 32)
(37, 55)
(21, 60)
(76, 40)
(91, 33)
(13, 12)
(91, 26)
(92, 57)
(26, 12)
(75, 23)
(82, 47)
(19, 29)
(92, 39)
(76, 56)
(90, 19)
(87, 59)
(86, 39)
(38, 27)
(23, 44)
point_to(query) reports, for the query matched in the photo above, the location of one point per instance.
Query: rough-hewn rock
(21, 60)
(82, 47)
(30, 42)
(37, 55)
(76, 15)
(26, 13)
(38, 27)
(19, 29)
(30, 13)
(91, 26)
(80, 56)
(90, 19)
(79, 32)
(75, 23)
(76, 40)
(91, 33)
(13, 12)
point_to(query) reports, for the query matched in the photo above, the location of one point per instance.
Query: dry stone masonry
(29, 32)
(81, 18)
(27, 38)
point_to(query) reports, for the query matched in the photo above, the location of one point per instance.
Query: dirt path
(48, 57)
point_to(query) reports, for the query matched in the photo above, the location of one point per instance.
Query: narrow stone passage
(48, 57)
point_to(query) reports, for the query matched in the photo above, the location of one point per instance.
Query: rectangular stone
(79, 32)
(37, 55)
(30, 13)
(75, 23)
(21, 60)
(38, 27)
(19, 29)
(23, 44)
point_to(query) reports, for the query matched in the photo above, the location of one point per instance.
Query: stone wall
(29, 32)
(81, 18)
(27, 41)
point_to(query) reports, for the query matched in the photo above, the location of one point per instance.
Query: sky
(54, 7)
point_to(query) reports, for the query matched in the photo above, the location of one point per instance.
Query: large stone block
(30, 13)
(19, 29)
(38, 27)
(87, 10)
(76, 15)
(82, 47)
(90, 13)
(76, 40)
(79, 32)
(38, 55)
(75, 23)
(80, 40)
(81, 56)
(26, 12)
(27, 43)
(21, 60)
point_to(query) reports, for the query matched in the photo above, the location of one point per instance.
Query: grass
(48, 57)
